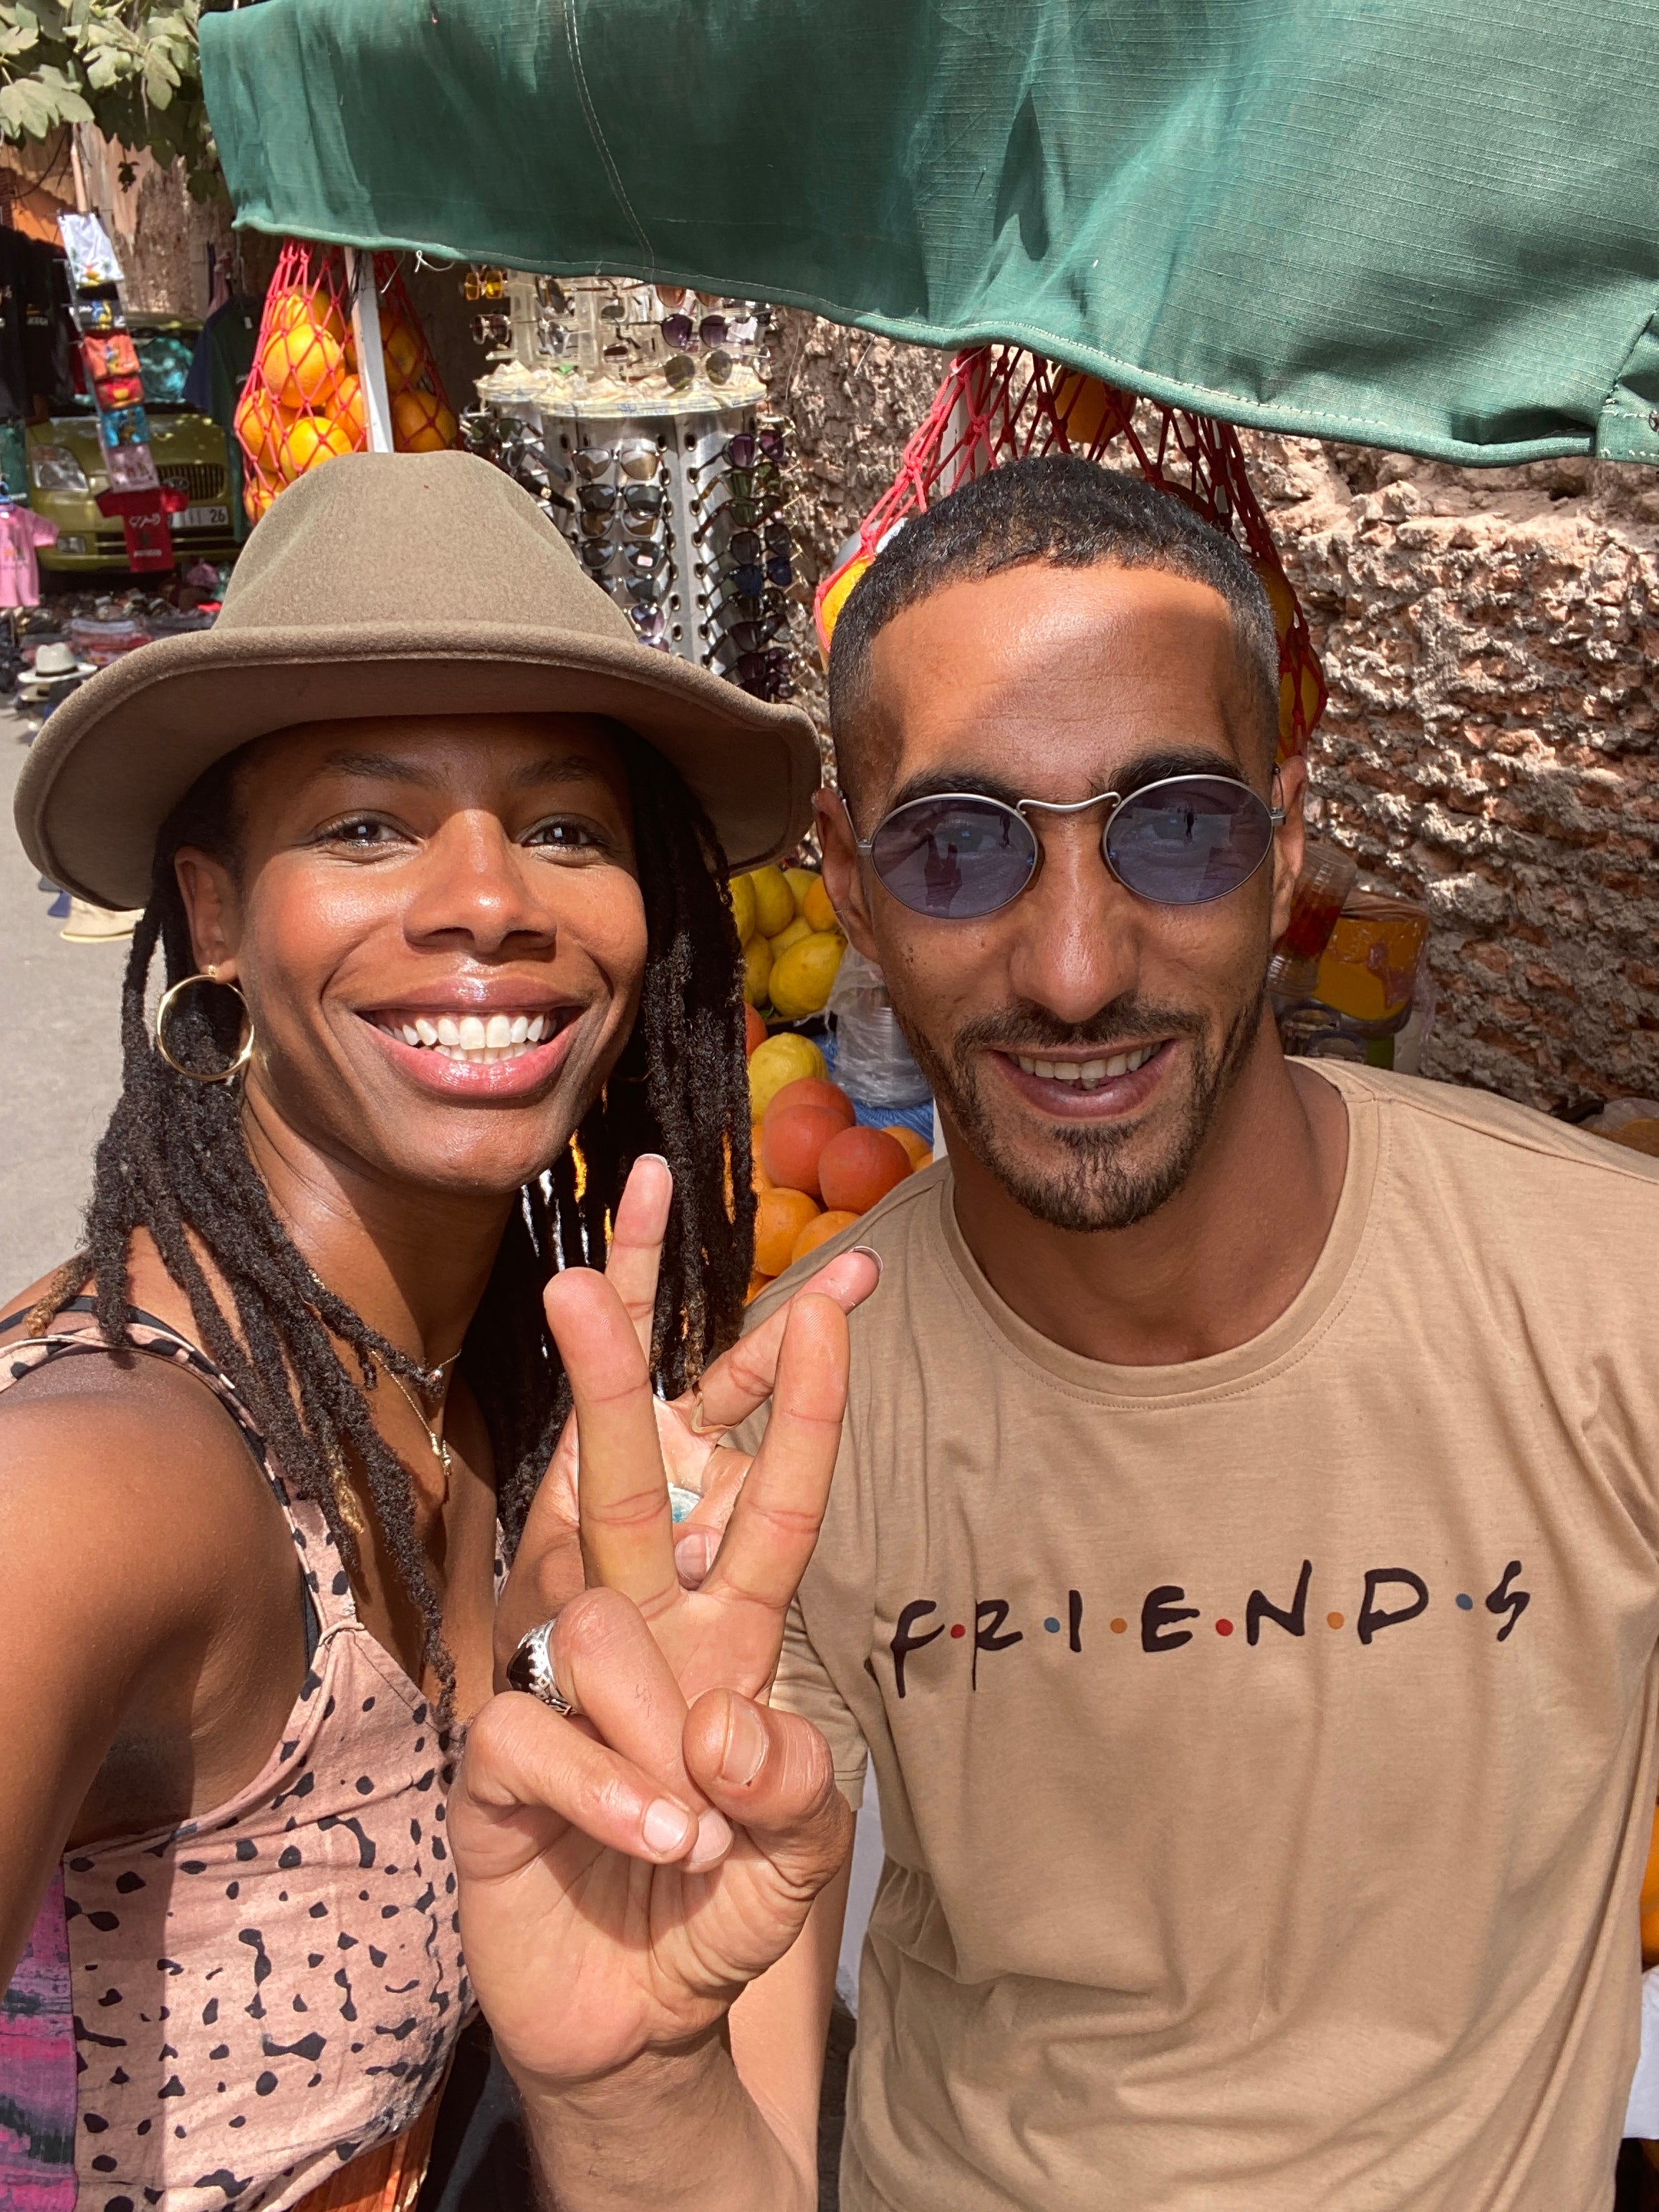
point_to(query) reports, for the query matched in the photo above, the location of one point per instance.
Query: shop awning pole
(371, 361)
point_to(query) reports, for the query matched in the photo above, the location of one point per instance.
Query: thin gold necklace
(435, 1436)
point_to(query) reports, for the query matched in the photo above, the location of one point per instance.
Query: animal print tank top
(233, 2010)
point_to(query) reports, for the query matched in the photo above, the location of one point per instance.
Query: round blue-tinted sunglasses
(955, 855)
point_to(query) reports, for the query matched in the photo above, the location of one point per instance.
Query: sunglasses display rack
(641, 426)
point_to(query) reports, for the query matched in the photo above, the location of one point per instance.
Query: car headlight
(54, 468)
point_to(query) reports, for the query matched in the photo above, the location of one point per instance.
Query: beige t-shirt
(1265, 1745)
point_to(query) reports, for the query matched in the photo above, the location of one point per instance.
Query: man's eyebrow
(1130, 775)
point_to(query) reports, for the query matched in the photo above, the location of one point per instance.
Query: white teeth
(520, 1027)
(536, 1031)
(472, 1033)
(472, 1038)
(449, 1030)
(498, 1030)
(1090, 1074)
(427, 1031)
(408, 1034)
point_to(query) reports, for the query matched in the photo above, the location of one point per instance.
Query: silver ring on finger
(531, 1669)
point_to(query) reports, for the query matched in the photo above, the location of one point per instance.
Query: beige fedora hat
(392, 584)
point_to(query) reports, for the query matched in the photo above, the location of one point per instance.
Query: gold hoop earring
(245, 1051)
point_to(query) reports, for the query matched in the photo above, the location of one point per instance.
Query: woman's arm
(152, 1603)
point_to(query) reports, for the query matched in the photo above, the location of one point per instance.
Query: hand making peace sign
(626, 1873)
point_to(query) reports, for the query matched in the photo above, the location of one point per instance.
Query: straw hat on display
(392, 584)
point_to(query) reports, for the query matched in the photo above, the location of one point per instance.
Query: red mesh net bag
(999, 404)
(303, 402)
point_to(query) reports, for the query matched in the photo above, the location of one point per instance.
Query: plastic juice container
(1327, 877)
(1369, 969)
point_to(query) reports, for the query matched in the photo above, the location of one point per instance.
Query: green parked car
(66, 464)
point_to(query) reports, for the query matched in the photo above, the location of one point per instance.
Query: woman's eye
(567, 837)
(360, 833)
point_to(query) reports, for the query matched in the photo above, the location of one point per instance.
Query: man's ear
(843, 878)
(213, 908)
(1290, 839)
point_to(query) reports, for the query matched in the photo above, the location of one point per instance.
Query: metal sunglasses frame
(1118, 800)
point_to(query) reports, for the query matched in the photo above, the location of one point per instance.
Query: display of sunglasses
(1183, 841)
(638, 458)
(644, 560)
(747, 583)
(636, 498)
(492, 330)
(750, 635)
(682, 334)
(718, 365)
(650, 624)
(484, 283)
(741, 450)
(679, 370)
(647, 589)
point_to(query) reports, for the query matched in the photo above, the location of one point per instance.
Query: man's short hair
(1057, 508)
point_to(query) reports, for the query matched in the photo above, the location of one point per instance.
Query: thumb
(771, 1774)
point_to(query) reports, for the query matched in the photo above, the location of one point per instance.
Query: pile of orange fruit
(303, 401)
(816, 1169)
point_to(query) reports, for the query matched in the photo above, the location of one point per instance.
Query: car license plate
(202, 518)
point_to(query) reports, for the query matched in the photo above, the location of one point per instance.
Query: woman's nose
(476, 884)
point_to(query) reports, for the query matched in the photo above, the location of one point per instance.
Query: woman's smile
(469, 1052)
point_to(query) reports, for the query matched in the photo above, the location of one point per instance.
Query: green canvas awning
(1428, 224)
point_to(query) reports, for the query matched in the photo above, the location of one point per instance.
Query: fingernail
(745, 1745)
(658, 1156)
(667, 1827)
(869, 1252)
(694, 1555)
(714, 1841)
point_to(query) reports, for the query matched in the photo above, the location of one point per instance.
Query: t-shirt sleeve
(803, 1686)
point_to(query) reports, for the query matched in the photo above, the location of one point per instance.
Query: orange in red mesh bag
(999, 404)
(303, 403)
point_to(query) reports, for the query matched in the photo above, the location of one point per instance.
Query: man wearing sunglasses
(1239, 1574)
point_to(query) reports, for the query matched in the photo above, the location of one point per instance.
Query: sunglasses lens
(638, 459)
(777, 536)
(740, 451)
(679, 331)
(592, 461)
(643, 499)
(953, 859)
(780, 573)
(1189, 841)
(744, 546)
(748, 583)
(712, 329)
(650, 624)
(678, 370)
(599, 499)
(771, 445)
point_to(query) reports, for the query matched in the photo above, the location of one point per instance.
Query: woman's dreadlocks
(173, 1162)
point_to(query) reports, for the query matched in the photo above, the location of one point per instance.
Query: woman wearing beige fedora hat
(434, 853)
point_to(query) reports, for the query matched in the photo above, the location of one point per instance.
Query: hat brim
(116, 756)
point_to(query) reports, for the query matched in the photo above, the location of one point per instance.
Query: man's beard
(1094, 1187)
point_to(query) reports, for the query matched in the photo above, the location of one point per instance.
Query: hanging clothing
(21, 531)
(218, 370)
(238, 2008)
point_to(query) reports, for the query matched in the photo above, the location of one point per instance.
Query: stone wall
(1489, 639)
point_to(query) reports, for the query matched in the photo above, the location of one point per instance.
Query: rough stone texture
(1489, 638)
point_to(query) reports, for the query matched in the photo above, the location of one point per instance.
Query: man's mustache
(1033, 1029)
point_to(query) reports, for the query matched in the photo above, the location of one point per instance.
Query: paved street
(59, 1007)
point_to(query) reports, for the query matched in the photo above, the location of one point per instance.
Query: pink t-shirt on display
(20, 531)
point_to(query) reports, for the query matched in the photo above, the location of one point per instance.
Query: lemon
(756, 970)
(774, 903)
(816, 909)
(785, 937)
(800, 881)
(743, 908)
(781, 1059)
(802, 978)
